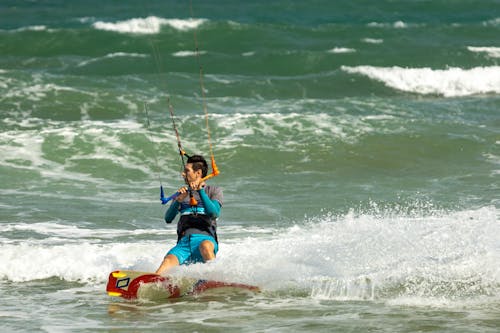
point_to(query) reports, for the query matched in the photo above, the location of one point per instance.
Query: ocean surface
(358, 144)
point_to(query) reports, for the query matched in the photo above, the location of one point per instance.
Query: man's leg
(207, 250)
(168, 262)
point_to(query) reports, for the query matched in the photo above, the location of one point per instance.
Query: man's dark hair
(199, 163)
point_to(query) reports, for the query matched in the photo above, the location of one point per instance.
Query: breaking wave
(148, 25)
(449, 82)
(429, 256)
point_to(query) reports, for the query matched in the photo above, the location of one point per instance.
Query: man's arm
(212, 207)
(172, 211)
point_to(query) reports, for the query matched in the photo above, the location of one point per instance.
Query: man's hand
(183, 192)
(197, 185)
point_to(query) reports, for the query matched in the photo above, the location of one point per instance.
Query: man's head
(198, 163)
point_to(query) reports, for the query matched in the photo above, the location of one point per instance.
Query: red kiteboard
(134, 284)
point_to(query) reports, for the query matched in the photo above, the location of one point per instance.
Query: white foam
(341, 50)
(148, 25)
(76, 253)
(372, 40)
(447, 82)
(491, 51)
(397, 25)
(188, 24)
(400, 24)
(24, 150)
(86, 19)
(28, 148)
(382, 254)
(34, 91)
(378, 255)
(83, 261)
(284, 119)
(32, 28)
(113, 55)
(64, 232)
(493, 22)
(181, 54)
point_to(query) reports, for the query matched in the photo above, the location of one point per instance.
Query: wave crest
(148, 25)
(449, 82)
(491, 51)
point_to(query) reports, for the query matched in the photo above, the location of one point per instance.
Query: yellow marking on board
(114, 293)
(119, 274)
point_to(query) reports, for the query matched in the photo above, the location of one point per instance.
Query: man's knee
(207, 250)
(207, 245)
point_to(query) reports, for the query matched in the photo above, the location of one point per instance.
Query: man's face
(189, 174)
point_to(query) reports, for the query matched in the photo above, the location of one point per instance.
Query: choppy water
(358, 144)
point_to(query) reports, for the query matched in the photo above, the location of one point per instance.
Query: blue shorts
(187, 250)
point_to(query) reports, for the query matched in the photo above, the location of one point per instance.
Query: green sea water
(358, 144)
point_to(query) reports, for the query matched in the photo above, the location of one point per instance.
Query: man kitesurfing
(199, 207)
